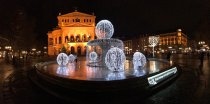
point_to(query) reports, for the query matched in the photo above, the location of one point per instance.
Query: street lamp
(201, 42)
(8, 47)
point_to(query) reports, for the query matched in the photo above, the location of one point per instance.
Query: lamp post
(45, 50)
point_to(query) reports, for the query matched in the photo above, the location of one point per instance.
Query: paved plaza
(192, 86)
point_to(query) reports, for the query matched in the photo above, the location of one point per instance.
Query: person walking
(168, 56)
(208, 54)
(201, 57)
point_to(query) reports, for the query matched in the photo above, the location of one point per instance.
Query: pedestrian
(201, 57)
(14, 60)
(168, 56)
(208, 55)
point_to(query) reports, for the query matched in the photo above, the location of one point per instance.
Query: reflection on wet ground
(80, 71)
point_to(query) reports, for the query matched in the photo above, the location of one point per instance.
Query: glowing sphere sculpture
(139, 60)
(93, 56)
(71, 58)
(62, 59)
(104, 29)
(115, 59)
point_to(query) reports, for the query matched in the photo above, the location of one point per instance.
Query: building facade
(175, 42)
(71, 35)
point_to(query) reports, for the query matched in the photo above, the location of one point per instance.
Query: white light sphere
(139, 59)
(71, 58)
(93, 56)
(104, 29)
(62, 59)
(115, 59)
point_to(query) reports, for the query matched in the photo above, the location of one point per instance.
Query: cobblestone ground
(16, 88)
(191, 87)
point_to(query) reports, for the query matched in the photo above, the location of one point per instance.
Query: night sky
(129, 17)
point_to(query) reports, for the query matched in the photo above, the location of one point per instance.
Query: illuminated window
(72, 39)
(77, 38)
(84, 38)
(55, 40)
(90, 20)
(84, 20)
(66, 39)
(59, 40)
(77, 20)
(89, 38)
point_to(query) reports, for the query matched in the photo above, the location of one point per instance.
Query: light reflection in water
(80, 71)
(94, 72)
(171, 62)
(139, 72)
(115, 76)
(63, 70)
(153, 67)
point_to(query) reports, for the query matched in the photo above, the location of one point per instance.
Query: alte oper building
(73, 32)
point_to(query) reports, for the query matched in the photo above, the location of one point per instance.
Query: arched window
(72, 51)
(77, 38)
(89, 37)
(66, 39)
(55, 40)
(77, 20)
(72, 39)
(59, 41)
(79, 50)
(84, 37)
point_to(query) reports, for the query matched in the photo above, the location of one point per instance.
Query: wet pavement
(191, 87)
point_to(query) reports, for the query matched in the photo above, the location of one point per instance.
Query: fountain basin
(79, 77)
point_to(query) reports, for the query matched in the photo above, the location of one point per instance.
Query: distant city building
(128, 46)
(73, 32)
(175, 42)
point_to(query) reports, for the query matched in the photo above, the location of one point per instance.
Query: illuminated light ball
(93, 56)
(62, 59)
(104, 29)
(139, 59)
(71, 58)
(115, 59)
